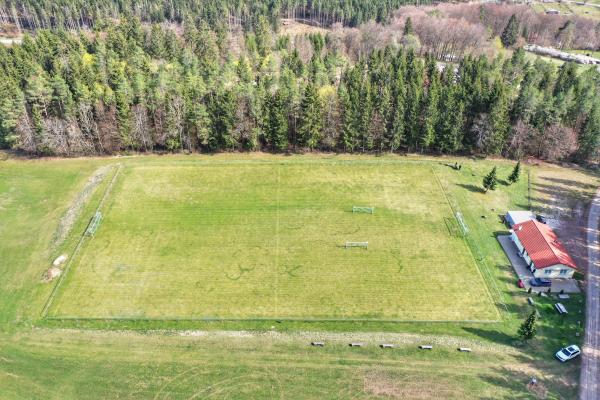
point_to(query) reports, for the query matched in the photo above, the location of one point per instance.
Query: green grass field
(86, 358)
(265, 240)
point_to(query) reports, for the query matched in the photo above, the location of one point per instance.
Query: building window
(564, 271)
(547, 272)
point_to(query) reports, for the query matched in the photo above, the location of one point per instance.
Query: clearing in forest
(266, 240)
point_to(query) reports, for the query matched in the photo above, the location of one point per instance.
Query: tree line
(77, 14)
(150, 88)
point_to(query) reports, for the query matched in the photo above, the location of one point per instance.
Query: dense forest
(76, 14)
(157, 87)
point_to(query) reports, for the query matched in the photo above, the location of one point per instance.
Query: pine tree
(450, 128)
(528, 330)
(499, 121)
(11, 108)
(430, 114)
(310, 123)
(490, 180)
(515, 174)
(276, 123)
(511, 32)
(589, 138)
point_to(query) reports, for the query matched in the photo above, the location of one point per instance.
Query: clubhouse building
(545, 255)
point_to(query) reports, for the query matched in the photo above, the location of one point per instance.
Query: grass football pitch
(266, 240)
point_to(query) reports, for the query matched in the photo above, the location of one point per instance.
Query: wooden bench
(356, 344)
(426, 347)
(560, 308)
(465, 349)
(318, 344)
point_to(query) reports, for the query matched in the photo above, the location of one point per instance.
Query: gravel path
(590, 369)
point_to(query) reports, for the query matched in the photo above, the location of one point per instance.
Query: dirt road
(590, 369)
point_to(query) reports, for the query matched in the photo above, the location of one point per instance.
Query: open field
(79, 365)
(588, 9)
(98, 359)
(265, 240)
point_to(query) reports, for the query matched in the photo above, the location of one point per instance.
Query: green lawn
(265, 240)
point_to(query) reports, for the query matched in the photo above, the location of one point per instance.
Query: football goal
(361, 209)
(94, 224)
(461, 222)
(364, 245)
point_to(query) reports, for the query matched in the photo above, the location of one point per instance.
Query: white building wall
(554, 272)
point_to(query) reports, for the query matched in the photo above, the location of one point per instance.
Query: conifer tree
(276, 123)
(310, 123)
(528, 330)
(511, 32)
(589, 139)
(430, 114)
(515, 174)
(490, 181)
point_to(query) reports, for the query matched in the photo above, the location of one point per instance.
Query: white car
(568, 353)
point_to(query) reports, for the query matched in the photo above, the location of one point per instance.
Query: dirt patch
(381, 383)
(292, 27)
(538, 390)
(51, 274)
(70, 216)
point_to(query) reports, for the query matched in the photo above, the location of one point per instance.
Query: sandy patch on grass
(51, 274)
(381, 383)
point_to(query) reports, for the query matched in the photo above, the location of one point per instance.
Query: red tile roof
(542, 245)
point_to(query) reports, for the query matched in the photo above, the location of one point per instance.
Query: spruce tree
(310, 123)
(528, 330)
(516, 172)
(511, 32)
(276, 123)
(490, 180)
(430, 113)
(589, 138)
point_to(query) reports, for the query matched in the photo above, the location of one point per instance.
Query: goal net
(94, 224)
(461, 222)
(360, 209)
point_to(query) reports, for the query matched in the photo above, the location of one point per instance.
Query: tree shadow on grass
(471, 188)
(492, 335)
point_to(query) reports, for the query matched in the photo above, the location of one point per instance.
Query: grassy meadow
(97, 356)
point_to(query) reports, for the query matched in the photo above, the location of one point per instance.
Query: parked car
(520, 283)
(540, 282)
(568, 353)
(541, 218)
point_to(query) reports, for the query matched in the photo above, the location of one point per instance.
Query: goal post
(94, 224)
(362, 209)
(364, 245)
